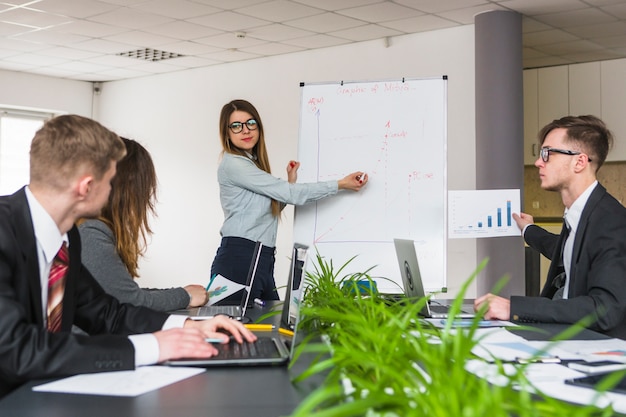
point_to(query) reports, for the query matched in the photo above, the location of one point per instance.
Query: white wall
(37, 92)
(176, 117)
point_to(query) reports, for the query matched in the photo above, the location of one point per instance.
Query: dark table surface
(229, 391)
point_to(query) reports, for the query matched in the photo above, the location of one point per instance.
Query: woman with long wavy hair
(114, 242)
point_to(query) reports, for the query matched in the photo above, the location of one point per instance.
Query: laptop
(413, 285)
(237, 312)
(271, 348)
(293, 293)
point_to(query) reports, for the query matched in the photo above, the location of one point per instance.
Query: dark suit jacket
(597, 287)
(27, 350)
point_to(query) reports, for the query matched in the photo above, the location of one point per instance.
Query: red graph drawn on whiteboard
(355, 218)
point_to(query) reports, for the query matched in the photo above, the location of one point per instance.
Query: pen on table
(547, 359)
(210, 282)
(260, 302)
(214, 340)
(259, 326)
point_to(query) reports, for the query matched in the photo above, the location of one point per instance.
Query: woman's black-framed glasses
(545, 153)
(237, 127)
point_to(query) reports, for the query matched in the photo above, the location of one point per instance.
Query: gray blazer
(100, 257)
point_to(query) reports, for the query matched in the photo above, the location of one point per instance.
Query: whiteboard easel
(395, 131)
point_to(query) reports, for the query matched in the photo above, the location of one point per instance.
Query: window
(17, 129)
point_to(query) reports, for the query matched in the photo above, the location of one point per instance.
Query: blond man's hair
(68, 145)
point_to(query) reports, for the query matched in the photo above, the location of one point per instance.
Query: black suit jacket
(597, 286)
(27, 350)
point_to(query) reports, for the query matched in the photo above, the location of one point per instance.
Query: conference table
(263, 391)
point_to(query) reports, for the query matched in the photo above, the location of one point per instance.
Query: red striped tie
(56, 288)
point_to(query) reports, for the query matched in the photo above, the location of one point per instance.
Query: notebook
(413, 285)
(271, 348)
(237, 312)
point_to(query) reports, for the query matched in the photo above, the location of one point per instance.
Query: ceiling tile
(70, 53)
(272, 48)
(32, 18)
(51, 37)
(19, 45)
(9, 29)
(467, 16)
(565, 48)
(36, 59)
(230, 4)
(178, 9)
(73, 8)
(231, 56)
(89, 29)
(139, 38)
(617, 10)
(326, 22)
(334, 5)
(229, 21)
(548, 37)
(611, 42)
(365, 33)
(130, 18)
(605, 29)
(380, 12)
(279, 11)
(182, 30)
(104, 46)
(189, 48)
(278, 32)
(540, 7)
(419, 24)
(317, 41)
(576, 18)
(230, 41)
(438, 6)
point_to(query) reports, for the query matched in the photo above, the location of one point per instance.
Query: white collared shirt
(49, 240)
(572, 217)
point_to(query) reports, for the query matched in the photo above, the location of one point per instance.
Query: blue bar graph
(483, 213)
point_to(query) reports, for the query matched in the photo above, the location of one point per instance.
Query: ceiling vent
(149, 54)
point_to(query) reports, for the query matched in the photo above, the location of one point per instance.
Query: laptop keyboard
(232, 311)
(263, 347)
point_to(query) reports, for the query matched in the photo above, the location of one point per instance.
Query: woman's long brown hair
(131, 201)
(259, 150)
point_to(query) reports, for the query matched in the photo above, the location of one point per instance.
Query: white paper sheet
(120, 383)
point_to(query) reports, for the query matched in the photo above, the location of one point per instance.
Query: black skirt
(232, 261)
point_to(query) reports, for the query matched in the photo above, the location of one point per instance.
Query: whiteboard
(395, 131)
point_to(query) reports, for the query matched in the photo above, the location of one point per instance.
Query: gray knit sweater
(100, 257)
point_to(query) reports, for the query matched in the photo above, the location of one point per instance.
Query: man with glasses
(587, 275)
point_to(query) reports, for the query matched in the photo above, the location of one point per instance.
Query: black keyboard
(263, 347)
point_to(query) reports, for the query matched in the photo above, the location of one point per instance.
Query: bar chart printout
(482, 213)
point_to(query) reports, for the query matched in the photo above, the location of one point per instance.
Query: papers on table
(221, 287)
(120, 383)
(547, 378)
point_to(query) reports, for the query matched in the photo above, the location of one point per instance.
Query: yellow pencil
(259, 326)
(285, 331)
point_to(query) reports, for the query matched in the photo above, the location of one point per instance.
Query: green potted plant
(380, 360)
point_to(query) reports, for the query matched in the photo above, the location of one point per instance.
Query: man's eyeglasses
(237, 127)
(545, 153)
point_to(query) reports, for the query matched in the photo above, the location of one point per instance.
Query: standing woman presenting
(252, 199)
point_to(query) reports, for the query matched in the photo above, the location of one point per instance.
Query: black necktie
(559, 281)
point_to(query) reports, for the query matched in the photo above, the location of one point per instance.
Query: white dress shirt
(49, 240)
